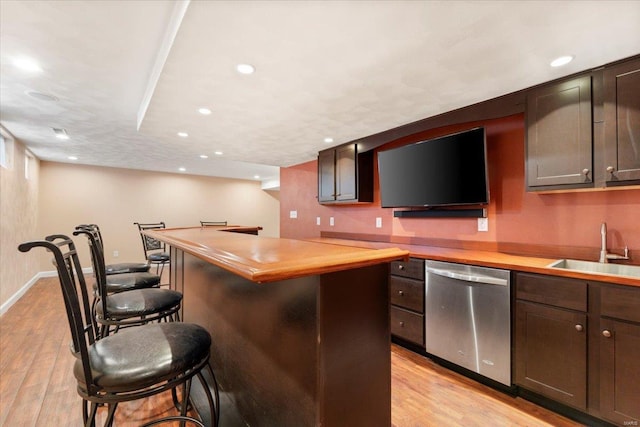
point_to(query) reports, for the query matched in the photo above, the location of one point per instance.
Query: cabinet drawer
(407, 293)
(550, 290)
(620, 302)
(407, 325)
(414, 269)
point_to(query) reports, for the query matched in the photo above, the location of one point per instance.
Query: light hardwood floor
(37, 387)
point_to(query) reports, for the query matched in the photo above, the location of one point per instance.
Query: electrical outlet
(317, 220)
(331, 221)
(293, 214)
(483, 224)
(116, 254)
(378, 222)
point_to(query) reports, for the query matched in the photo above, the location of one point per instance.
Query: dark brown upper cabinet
(559, 135)
(327, 176)
(584, 131)
(345, 175)
(621, 86)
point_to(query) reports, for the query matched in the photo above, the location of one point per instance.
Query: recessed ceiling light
(256, 176)
(328, 140)
(72, 158)
(183, 134)
(218, 153)
(204, 156)
(562, 60)
(204, 111)
(182, 169)
(61, 133)
(245, 68)
(27, 64)
(41, 96)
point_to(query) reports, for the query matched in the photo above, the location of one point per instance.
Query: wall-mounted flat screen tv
(446, 171)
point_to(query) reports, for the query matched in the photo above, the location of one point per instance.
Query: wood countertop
(486, 259)
(268, 259)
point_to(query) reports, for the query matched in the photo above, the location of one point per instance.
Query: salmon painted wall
(514, 215)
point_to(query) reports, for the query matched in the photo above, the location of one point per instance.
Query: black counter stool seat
(147, 303)
(121, 267)
(129, 281)
(142, 357)
(135, 363)
(127, 267)
(159, 258)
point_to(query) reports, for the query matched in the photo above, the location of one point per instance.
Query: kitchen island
(300, 329)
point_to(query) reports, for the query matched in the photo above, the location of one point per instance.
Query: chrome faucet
(604, 255)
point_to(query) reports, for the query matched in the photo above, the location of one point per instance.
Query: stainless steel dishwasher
(468, 317)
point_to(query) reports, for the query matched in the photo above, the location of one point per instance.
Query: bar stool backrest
(212, 223)
(73, 285)
(97, 262)
(149, 244)
(93, 227)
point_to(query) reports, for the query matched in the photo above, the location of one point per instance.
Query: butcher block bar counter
(300, 329)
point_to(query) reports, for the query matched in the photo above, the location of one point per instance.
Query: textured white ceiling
(344, 69)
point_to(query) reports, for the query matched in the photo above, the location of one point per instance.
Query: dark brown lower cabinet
(551, 352)
(619, 344)
(577, 342)
(620, 371)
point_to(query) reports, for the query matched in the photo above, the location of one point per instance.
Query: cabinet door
(551, 352)
(326, 176)
(620, 372)
(622, 122)
(346, 172)
(559, 136)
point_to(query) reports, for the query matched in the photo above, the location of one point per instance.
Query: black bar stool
(154, 250)
(121, 267)
(130, 308)
(133, 364)
(123, 277)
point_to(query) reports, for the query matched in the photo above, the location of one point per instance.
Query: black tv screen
(446, 171)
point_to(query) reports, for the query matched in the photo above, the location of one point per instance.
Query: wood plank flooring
(37, 387)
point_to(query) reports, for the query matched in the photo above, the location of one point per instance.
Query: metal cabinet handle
(401, 293)
(402, 324)
(611, 169)
(606, 333)
(400, 267)
(579, 328)
(585, 172)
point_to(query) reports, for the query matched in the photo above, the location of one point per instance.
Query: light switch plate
(378, 222)
(331, 221)
(483, 224)
(317, 220)
(293, 214)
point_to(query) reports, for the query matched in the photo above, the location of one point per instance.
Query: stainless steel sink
(597, 267)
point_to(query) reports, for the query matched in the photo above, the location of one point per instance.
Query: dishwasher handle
(468, 277)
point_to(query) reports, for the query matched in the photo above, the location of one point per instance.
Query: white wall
(116, 198)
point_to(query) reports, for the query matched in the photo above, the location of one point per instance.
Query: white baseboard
(15, 297)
